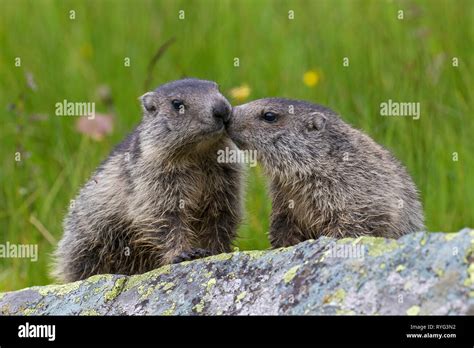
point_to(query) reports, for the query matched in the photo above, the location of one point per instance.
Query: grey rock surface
(421, 273)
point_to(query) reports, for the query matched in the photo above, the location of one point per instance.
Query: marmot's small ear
(316, 121)
(148, 102)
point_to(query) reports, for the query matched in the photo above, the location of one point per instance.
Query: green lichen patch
(376, 245)
(199, 307)
(470, 279)
(5, 309)
(116, 289)
(220, 257)
(144, 294)
(29, 311)
(170, 310)
(400, 268)
(208, 274)
(450, 236)
(168, 286)
(255, 254)
(379, 246)
(345, 312)
(290, 274)
(240, 296)
(323, 256)
(185, 263)
(99, 289)
(423, 240)
(59, 290)
(469, 254)
(413, 310)
(90, 312)
(98, 277)
(210, 284)
(140, 279)
(339, 295)
(348, 240)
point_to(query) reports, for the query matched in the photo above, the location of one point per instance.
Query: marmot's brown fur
(161, 196)
(327, 178)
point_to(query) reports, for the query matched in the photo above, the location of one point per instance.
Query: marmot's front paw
(191, 255)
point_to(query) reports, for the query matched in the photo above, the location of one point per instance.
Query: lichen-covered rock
(421, 273)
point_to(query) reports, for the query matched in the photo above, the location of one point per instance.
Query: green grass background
(402, 60)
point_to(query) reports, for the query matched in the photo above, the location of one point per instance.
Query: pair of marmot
(162, 196)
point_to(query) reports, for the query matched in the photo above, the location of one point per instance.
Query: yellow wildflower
(240, 93)
(311, 78)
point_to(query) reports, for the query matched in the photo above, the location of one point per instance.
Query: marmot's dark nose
(221, 110)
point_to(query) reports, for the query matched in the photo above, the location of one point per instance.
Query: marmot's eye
(177, 104)
(269, 116)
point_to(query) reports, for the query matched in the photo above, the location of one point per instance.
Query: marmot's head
(290, 136)
(184, 115)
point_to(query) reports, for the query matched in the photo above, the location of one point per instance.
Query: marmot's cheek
(166, 126)
(238, 140)
(275, 139)
(232, 129)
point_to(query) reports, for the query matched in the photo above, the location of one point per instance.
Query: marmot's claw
(191, 255)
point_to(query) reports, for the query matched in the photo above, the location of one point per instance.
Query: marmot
(327, 178)
(161, 196)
